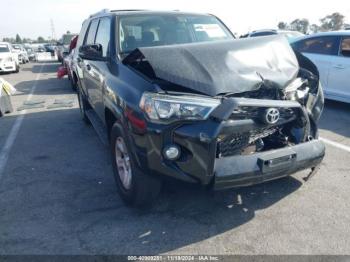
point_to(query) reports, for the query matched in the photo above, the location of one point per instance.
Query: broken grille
(233, 144)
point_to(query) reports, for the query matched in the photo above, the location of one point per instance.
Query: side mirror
(91, 52)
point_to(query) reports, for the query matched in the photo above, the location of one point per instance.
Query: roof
(4, 43)
(142, 12)
(330, 33)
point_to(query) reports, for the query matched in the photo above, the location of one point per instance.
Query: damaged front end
(240, 112)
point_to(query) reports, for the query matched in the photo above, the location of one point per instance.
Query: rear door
(321, 50)
(339, 75)
(77, 61)
(99, 69)
(88, 72)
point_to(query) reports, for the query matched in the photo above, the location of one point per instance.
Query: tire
(73, 85)
(72, 82)
(17, 68)
(83, 105)
(141, 189)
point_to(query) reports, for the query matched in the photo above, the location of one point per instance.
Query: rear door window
(345, 46)
(325, 45)
(103, 34)
(90, 39)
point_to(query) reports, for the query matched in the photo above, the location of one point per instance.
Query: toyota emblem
(272, 116)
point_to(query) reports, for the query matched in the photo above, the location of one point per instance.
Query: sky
(32, 18)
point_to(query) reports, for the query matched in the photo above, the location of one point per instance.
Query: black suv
(179, 97)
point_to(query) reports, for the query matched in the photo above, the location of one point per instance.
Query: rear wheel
(83, 105)
(73, 82)
(135, 187)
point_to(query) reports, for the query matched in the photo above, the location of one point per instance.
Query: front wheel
(135, 187)
(17, 68)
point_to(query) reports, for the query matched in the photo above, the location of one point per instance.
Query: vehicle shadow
(50, 67)
(197, 214)
(65, 173)
(336, 118)
(49, 86)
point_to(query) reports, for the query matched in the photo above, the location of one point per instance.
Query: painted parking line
(335, 144)
(5, 151)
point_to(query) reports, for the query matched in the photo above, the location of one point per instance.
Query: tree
(282, 25)
(301, 25)
(18, 39)
(40, 39)
(9, 40)
(26, 40)
(315, 28)
(332, 22)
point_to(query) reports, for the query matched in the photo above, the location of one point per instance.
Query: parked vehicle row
(179, 97)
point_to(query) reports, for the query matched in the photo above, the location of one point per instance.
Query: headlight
(177, 107)
(315, 103)
(9, 59)
(296, 90)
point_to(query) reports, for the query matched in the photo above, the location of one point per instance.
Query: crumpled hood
(232, 66)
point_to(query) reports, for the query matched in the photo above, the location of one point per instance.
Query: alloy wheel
(123, 162)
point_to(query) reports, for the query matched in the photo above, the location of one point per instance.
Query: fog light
(171, 152)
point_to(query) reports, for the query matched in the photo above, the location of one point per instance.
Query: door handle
(88, 67)
(339, 67)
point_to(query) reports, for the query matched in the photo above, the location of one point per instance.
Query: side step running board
(98, 126)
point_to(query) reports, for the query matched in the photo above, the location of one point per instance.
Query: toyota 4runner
(179, 97)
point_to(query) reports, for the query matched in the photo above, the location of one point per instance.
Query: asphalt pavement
(58, 196)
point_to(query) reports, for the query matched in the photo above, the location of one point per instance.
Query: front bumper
(204, 158)
(7, 66)
(252, 169)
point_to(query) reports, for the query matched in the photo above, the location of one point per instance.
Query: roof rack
(128, 10)
(103, 11)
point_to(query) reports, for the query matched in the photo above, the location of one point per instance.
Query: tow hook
(313, 171)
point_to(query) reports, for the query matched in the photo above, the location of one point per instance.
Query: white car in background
(8, 60)
(287, 33)
(330, 52)
(22, 53)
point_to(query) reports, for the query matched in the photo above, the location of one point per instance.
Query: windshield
(4, 49)
(16, 47)
(155, 30)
